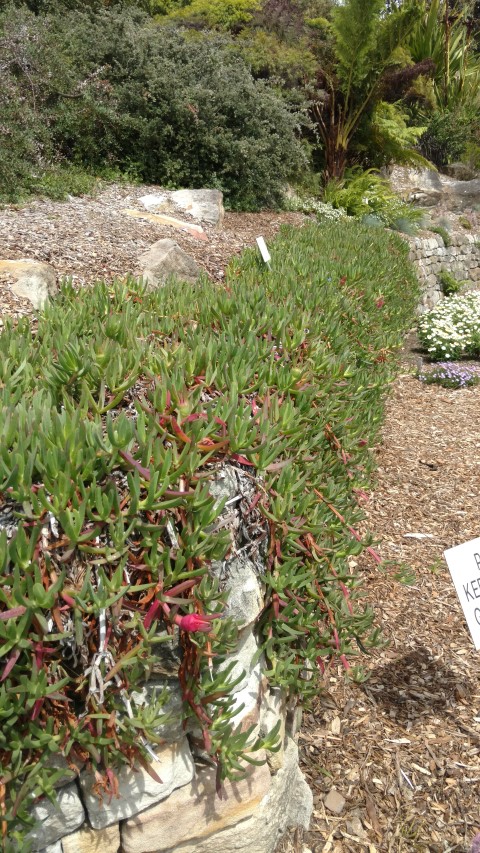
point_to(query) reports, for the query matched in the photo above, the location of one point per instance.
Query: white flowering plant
(310, 204)
(452, 328)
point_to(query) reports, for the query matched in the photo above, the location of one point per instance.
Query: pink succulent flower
(196, 622)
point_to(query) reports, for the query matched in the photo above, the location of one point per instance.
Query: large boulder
(204, 205)
(164, 260)
(32, 280)
(460, 172)
(427, 188)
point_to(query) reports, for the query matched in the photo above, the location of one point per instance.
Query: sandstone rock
(242, 657)
(205, 205)
(170, 221)
(245, 594)
(253, 822)
(202, 812)
(334, 801)
(88, 840)
(31, 280)
(137, 789)
(153, 201)
(70, 771)
(53, 848)
(54, 820)
(224, 485)
(167, 655)
(428, 188)
(164, 260)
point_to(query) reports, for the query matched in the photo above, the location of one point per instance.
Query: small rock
(205, 205)
(54, 820)
(137, 789)
(31, 280)
(335, 726)
(334, 801)
(354, 826)
(164, 260)
(88, 840)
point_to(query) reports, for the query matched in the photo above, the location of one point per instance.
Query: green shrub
(367, 194)
(114, 90)
(448, 135)
(448, 283)
(114, 415)
(442, 232)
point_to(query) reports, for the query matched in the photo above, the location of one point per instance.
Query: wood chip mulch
(90, 238)
(403, 748)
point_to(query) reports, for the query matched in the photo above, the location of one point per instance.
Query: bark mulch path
(403, 748)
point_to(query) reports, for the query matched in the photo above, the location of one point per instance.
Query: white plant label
(464, 564)
(263, 250)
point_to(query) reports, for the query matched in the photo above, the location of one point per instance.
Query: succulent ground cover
(116, 410)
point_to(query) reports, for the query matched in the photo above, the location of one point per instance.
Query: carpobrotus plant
(115, 414)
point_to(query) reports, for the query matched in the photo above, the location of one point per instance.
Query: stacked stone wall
(176, 806)
(431, 257)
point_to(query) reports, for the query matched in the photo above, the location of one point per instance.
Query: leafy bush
(442, 232)
(229, 15)
(448, 136)
(452, 328)
(448, 283)
(115, 414)
(111, 89)
(366, 194)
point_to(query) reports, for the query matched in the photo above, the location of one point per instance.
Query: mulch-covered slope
(91, 238)
(403, 749)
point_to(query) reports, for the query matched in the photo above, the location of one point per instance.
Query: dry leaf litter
(394, 763)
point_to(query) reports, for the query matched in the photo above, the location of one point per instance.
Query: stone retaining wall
(430, 256)
(179, 809)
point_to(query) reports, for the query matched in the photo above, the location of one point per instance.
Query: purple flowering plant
(451, 375)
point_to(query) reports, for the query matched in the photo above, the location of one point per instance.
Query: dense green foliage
(206, 92)
(112, 90)
(114, 415)
(366, 194)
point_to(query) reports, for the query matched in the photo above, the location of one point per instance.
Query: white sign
(263, 250)
(464, 564)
